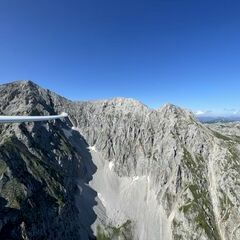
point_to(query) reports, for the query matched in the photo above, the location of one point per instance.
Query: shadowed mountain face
(39, 171)
(114, 169)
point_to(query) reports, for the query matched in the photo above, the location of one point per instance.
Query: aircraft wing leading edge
(20, 119)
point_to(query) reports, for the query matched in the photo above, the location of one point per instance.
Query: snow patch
(111, 165)
(101, 199)
(92, 148)
(76, 129)
(135, 178)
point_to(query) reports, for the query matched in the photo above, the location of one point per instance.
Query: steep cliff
(115, 169)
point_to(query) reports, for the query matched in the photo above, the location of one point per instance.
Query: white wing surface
(20, 119)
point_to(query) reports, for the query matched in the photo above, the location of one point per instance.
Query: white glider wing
(20, 119)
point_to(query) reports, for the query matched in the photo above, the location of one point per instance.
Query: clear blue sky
(186, 52)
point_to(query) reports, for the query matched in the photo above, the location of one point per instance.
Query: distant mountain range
(215, 119)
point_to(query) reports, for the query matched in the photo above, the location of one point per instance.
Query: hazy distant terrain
(115, 169)
(218, 119)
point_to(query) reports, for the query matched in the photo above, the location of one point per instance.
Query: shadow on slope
(85, 200)
(40, 191)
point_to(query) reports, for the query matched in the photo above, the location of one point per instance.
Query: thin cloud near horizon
(225, 113)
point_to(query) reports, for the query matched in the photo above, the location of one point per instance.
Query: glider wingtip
(63, 114)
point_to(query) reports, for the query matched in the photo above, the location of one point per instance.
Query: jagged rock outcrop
(148, 174)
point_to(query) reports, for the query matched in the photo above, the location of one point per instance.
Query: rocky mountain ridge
(136, 173)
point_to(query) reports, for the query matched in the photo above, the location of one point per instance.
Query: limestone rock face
(117, 169)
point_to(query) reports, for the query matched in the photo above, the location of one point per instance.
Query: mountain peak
(127, 101)
(170, 108)
(20, 84)
(120, 101)
(25, 82)
(173, 110)
(126, 105)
